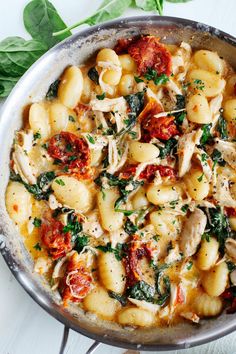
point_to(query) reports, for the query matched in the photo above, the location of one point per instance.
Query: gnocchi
(123, 179)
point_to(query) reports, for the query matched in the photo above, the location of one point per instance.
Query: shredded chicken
(192, 232)
(186, 146)
(22, 165)
(228, 151)
(222, 192)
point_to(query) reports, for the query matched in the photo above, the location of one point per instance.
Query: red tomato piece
(77, 280)
(80, 109)
(70, 150)
(148, 52)
(161, 128)
(53, 237)
(123, 44)
(230, 211)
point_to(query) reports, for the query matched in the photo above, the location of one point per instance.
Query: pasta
(136, 317)
(215, 280)
(112, 273)
(71, 87)
(208, 254)
(207, 306)
(123, 184)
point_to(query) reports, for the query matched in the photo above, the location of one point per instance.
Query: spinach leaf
(52, 91)
(135, 102)
(73, 226)
(118, 250)
(217, 158)
(150, 5)
(130, 228)
(180, 103)
(81, 242)
(218, 225)
(231, 266)
(40, 190)
(17, 55)
(41, 19)
(222, 128)
(122, 183)
(6, 84)
(166, 293)
(178, 1)
(142, 291)
(121, 298)
(169, 148)
(108, 10)
(206, 135)
(93, 75)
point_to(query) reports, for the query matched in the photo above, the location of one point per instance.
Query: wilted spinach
(52, 91)
(222, 128)
(169, 148)
(206, 134)
(93, 75)
(121, 298)
(142, 291)
(130, 228)
(39, 190)
(118, 250)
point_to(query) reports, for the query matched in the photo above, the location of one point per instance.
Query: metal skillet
(32, 87)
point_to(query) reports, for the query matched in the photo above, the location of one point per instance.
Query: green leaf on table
(6, 85)
(41, 19)
(108, 10)
(150, 5)
(17, 55)
(178, 1)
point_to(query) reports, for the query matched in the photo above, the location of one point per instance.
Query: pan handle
(64, 341)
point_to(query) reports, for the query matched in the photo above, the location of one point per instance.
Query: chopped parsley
(153, 75)
(189, 266)
(199, 84)
(101, 97)
(90, 139)
(138, 79)
(37, 222)
(37, 247)
(71, 119)
(60, 182)
(37, 136)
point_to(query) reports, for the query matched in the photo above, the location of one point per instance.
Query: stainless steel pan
(32, 87)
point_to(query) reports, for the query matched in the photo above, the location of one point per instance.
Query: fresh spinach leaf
(17, 55)
(108, 10)
(150, 5)
(41, 19)
(93, 75)
(6, 84)
(121, 298)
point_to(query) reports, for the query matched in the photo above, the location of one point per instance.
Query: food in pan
(122, 184)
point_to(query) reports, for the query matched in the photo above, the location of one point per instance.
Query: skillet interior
(33, 87)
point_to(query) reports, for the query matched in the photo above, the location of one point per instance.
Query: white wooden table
(24, 327)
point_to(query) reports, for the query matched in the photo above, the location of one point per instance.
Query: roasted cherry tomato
(148, 53)
(57, 242)
(70, 151)
(230, 295)
(77, 280)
